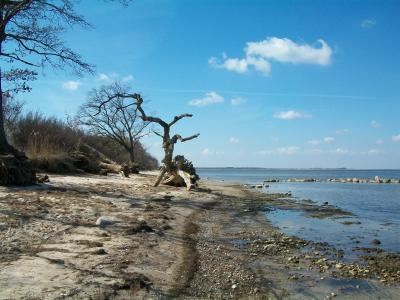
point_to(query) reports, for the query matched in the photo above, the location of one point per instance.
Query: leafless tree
(169, 141)
(117, 120)
(30, 35)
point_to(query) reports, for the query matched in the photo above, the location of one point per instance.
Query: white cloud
(209, 98)
(375, 124)
(329, 139)
(206, 152)
(284, 50)
(280, 151)
(343, 131)
(241, 65)
(314, 142)
(379, 142)
(368, 23)
(114, 77)
(238, 101)
(374, 151)
(127, 78)
(396, 138)
(291, 115)
(288, 150)
(233, 140)
(104, 77)
(340, 151)
(71, 85)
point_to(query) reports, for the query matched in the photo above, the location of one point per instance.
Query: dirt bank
(93, 237)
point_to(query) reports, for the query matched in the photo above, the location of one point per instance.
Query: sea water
(376, 207)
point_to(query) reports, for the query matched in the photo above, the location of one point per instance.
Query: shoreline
(166, 243)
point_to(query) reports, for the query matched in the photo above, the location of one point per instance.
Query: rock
(100, 251)
(106, 221)
(234, 286)
(141, 227)
(103, 172)
(356, 180)
(339, 266)
(43, 179)
(376, 242)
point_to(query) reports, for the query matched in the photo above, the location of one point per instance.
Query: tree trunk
(5, 147)
(131, 155)
(14, 167)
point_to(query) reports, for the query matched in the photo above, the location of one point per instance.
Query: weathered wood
(187, 178)
(111, 168)
(160, 176)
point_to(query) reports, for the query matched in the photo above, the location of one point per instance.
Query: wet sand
(162, 243)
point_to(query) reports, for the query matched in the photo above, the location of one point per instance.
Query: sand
(162, 243)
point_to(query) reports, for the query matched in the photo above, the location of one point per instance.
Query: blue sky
(270, 83)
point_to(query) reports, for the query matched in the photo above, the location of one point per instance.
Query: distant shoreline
(297, 169)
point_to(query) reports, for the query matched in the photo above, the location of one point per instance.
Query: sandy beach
(97, 237)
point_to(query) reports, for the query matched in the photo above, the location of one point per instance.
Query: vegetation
(117, 120)
(55, 146)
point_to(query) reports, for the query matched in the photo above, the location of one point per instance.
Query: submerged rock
(376, 242)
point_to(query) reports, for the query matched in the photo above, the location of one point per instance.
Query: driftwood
(111, 168)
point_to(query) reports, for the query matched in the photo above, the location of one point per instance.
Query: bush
(54, 146)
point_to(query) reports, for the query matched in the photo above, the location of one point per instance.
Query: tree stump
(16, 171)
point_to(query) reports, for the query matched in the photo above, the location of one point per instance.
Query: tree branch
(177, 137)
(177, 118)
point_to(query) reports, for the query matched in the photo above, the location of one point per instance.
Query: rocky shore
(96, 237)
(377, 179)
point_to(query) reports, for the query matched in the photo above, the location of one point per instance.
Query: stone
(106, 221)
(234, 286)
(141, 227)
(376, 242)
(339, 266)
(100, 251)
(43, 179)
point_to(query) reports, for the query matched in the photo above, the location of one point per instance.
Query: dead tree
(168, 166)
(116, 121)
(168, 145)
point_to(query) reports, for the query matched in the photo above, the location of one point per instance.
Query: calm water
(375, 206)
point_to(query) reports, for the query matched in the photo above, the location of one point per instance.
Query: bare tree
(30, 36)
(169, 141)
(30, 33)
(117, 120)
